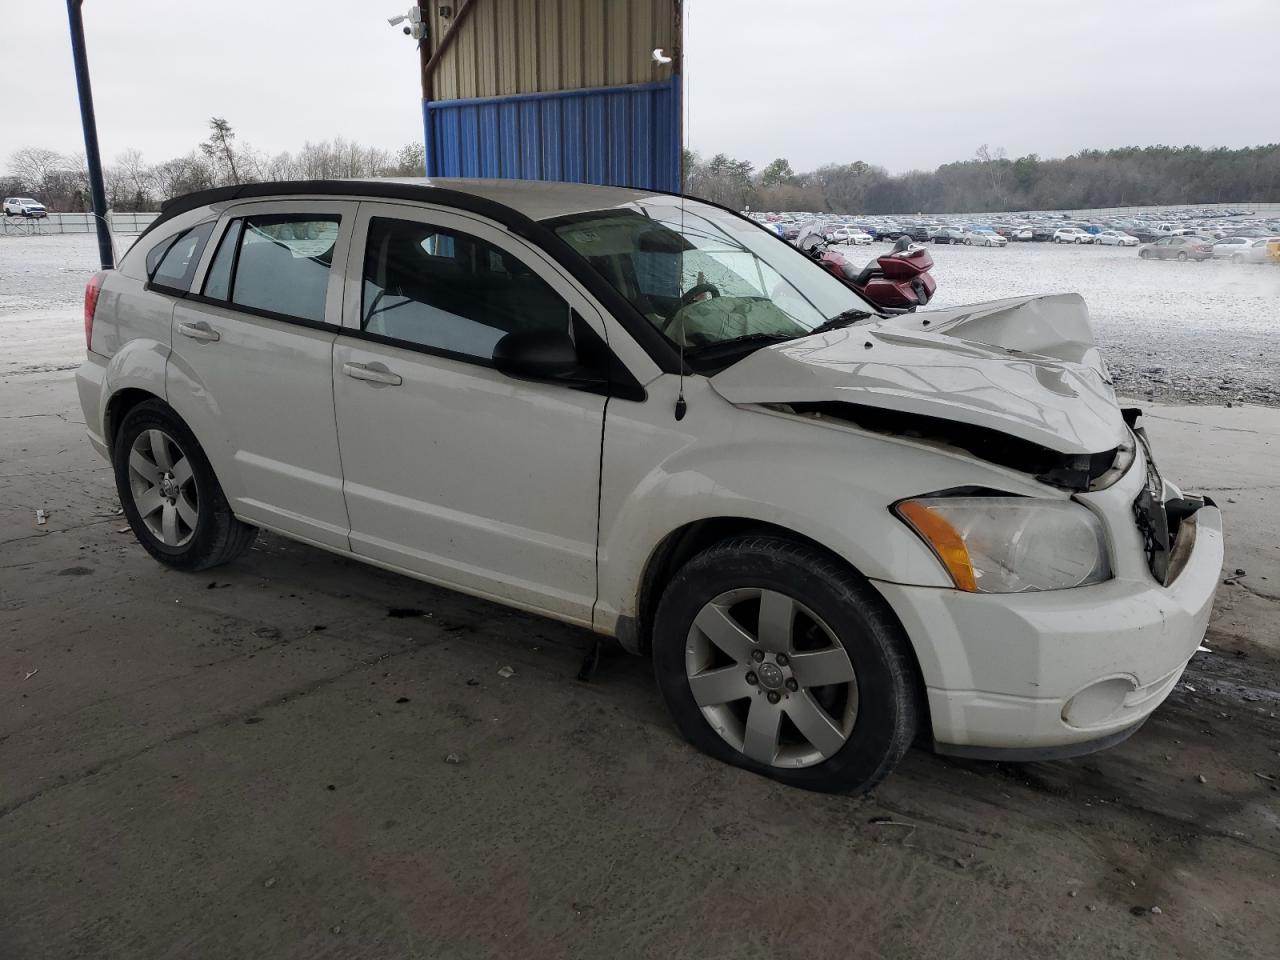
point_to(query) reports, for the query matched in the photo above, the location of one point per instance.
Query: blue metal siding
(622, 136)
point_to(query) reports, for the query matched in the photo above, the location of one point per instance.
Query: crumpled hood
(1026, 366)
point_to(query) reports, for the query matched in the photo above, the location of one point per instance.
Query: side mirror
(536, 355)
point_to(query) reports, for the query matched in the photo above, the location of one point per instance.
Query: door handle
(360, 371)
(199, 331)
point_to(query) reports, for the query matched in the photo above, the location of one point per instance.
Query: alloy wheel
(771, 678)
(163, 487)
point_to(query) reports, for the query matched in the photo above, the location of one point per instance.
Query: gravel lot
(1176, 332)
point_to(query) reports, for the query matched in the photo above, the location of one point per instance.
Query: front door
(452, 469)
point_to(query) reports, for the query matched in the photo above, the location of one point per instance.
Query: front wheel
(1182, 257)
(170, 495)
(775, 657)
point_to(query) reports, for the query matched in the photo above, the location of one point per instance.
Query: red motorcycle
(897, 282)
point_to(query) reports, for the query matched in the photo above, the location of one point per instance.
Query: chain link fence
(56, 223)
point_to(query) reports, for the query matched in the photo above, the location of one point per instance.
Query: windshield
(705, 277)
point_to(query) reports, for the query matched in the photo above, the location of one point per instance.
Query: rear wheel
(1182, 256)
(1143, 254)
(170, 495)
(774, 657)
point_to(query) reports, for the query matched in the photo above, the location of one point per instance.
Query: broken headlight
(1011, 544)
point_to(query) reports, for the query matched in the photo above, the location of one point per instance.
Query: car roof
(535, 199)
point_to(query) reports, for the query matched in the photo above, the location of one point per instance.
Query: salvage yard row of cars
(1236, 237)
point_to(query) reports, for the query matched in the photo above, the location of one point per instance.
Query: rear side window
(277, 263)
(450, 291)
(171, 264)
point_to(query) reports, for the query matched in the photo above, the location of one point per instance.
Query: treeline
(61, 182)
(1128, 176)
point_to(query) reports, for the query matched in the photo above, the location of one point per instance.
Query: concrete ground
(254, 762)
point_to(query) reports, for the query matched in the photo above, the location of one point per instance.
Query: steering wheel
(697, 291)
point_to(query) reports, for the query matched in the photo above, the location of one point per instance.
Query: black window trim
(172, 242)
(619, 382)
(230, 304)
(657, 347)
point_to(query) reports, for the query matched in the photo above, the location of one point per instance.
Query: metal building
(553, 90)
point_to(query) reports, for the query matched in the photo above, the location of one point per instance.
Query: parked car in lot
(1072, 235)
(1231, 247)
(1115, 238)
(1177, 248)
(850, 235)
(948, 235)
(521, 392)
(984, 238)
(24, 207)
(1261, 250)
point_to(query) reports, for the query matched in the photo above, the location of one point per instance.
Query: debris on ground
(267, 633)
(402, 699)
(269, 882)
(452, 758)
(1202, 778)
(506, 673)
(41, 518)
(31, 674)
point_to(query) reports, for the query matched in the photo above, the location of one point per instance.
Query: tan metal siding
(506, 47)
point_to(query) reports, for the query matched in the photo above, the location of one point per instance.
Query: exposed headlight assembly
(1011, 544)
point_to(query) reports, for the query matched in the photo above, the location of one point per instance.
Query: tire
(1182, 257)
(858, 724)
(189, 524)
(968, 243)
(1144, 255)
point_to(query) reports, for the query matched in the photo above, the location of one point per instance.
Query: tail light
(91, 291)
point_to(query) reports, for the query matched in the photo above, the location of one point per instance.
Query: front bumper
(1042, 673)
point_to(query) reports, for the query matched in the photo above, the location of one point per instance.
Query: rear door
(251, 369)
(452, 469)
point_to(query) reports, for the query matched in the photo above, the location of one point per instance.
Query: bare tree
(34, 165)
(219, 151)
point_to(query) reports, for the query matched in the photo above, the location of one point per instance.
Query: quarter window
(450, 291)
(172, 264)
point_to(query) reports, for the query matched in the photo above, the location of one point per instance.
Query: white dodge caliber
(831, 530)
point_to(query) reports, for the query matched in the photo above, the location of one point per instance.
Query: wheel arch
(685, 542)
(118, 406)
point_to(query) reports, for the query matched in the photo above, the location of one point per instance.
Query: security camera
(416, 27)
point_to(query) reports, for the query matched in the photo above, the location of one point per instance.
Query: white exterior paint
(555, 500)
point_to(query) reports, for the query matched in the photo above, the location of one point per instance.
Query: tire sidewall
(866, 629)
(154, 414)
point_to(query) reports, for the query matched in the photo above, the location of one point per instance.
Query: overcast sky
(905, 84)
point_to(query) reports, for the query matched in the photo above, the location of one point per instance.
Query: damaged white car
(833, 530)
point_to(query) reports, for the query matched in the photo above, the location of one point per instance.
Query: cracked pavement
(251, 761)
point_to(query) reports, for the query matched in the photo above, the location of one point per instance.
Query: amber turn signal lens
(936, 531)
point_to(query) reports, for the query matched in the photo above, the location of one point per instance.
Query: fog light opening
(1098, 702)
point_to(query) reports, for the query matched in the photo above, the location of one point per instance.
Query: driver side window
(450, 291)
